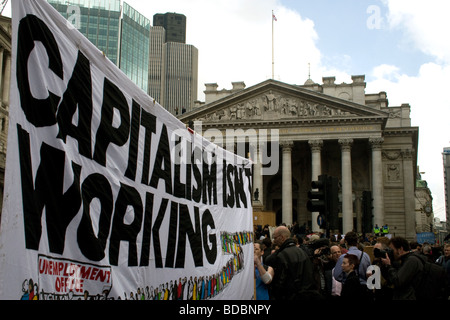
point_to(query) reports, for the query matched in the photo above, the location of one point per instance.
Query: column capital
(316, 145)
(376, 142)
(287, 145)
(346, 144)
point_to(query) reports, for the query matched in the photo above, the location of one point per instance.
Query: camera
(378, 253)
(325, 251)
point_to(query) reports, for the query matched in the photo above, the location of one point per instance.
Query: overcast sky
(401, 46)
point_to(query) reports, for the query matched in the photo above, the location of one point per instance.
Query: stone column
(6, 80)
(316, 171)
(257, 175)
(2, 50)
(377, 181)
(358, 210)
(347, 201)
(287, 182)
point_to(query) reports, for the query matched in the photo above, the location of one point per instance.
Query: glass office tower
(134, 50)
(122, 36)
(97, 20)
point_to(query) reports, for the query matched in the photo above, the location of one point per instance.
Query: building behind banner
(5, 80)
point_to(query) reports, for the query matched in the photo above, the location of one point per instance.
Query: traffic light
(333, 202)
(367, 212)
(318, 199)
(325, 201)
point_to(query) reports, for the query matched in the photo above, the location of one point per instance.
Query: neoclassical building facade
(5, 81)
(329, 128)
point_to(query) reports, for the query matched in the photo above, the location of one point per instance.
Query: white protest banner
(107, 195)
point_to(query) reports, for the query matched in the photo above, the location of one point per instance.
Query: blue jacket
(364, 263)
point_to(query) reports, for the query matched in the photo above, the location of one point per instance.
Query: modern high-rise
(120, 32)
(179, 77)
(99, 21)
(156, 58)
(134, 46)
(173, 70)
(174, 24)
(155, 65)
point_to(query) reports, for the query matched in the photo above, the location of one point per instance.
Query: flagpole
(273, 62)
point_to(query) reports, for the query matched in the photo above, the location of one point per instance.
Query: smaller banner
(426, 237)
(64, 277)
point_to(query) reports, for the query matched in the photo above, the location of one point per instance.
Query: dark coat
(293, 271)
(404, 276)
(352, 289)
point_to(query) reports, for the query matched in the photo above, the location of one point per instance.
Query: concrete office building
(179, 77)
(173, 70)
(155, 65)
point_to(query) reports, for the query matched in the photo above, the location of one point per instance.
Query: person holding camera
(321, 261)
(380, 249)
(406, 274)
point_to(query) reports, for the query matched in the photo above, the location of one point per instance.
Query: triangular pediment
(274, 100)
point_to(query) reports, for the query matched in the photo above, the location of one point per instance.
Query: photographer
(380, 250)
(406, 274)
(322, 261)
(326, 258)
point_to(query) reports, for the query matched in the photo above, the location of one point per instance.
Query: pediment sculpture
(273, 106)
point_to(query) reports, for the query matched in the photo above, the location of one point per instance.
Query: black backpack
(432, 281)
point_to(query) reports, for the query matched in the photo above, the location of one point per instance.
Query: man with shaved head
(293, 270)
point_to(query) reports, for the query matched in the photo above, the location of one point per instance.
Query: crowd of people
(292, 263)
